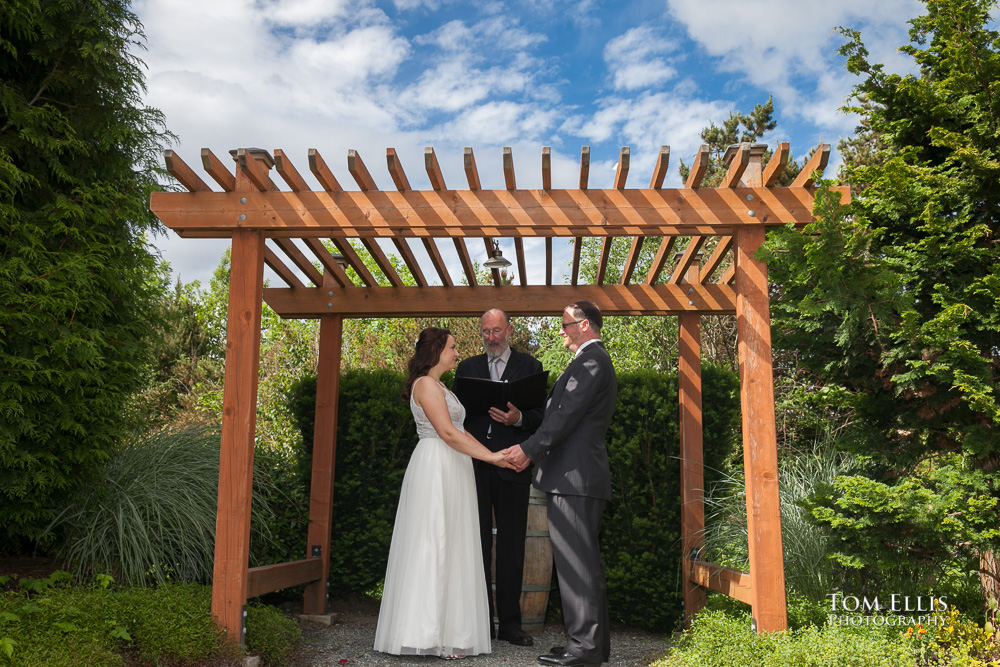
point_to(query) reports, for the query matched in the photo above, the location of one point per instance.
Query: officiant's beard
(494, 348)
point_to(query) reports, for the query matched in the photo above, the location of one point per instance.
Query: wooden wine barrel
(537, 578)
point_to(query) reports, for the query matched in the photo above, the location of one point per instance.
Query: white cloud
(635, 59)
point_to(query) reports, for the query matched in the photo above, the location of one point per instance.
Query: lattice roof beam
(471, 172)
(184, 174)
(621, 169)
(217, 170)
(776, 165)
(383, 263)
(737, 166)
(256, 165)
(729, 275)
(546, 168)
(396, 170)
(548, 260)
(280, 269)
(300, 260)
(687, 260)
(602, 263)
(330, 265)
(632, 259)
(322, 172)
(433, 169)
(289, 174)
(722, 248)
(698, 167)
(578, 243)
(354, 261)
(529, 300)
(816, 163)
(660, 259)
(508, 169)
(660, 170)
(522, 271)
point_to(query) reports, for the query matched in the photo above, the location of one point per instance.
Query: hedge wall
(640, 540)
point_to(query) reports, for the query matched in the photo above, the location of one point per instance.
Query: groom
(571, 466)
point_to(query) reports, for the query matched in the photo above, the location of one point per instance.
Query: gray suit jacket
(568, 448)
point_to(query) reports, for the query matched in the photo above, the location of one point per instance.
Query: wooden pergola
(264, 222)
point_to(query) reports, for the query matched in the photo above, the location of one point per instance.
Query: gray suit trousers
(574, 523)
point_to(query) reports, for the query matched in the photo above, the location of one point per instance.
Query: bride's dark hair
(430, 344)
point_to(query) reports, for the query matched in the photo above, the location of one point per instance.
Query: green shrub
(720, 639)
(271, 635)
(152, 516)
(375, 435)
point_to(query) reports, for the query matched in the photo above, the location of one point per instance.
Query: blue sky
(371, 74)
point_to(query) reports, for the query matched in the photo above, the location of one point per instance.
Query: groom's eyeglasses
(567, 325)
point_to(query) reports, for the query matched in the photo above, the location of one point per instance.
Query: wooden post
(324, 457)
(692, 456)
(239, 413)
(760, 453)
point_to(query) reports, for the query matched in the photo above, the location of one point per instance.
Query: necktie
(495, 368)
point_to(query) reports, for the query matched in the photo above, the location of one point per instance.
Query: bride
(434, 600)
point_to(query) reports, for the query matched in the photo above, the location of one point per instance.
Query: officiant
(502, 494)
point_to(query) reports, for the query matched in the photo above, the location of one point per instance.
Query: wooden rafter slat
(300, 260)
(584, 181)
(433, 169)
(256, 170)
(698, 167)
(184, 174)
(289, 174)
(660, 260)
(776, 165)
(548, 260)
(354, 261)
(722, 248)
(463, 257)
(816, 163)
(621, 169)
(737, 166)
(322, 172)
(660, 170)
(632, 259)
(602, 263)
(396, 170)
(373, 248)
(435, 255)
(359, 171)
(508, 169)
(471, 172)
(729, 275)
(527, 300)
(218, 171)
(279, 267)
(330, 265)
(522, 271)
(410, 260)
(688, 259)
(486, 213)
(546, 168)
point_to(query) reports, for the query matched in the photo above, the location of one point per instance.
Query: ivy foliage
(77, 147)
(894, 299)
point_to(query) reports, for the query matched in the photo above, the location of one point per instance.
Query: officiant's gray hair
(506, 317)
(587, 310)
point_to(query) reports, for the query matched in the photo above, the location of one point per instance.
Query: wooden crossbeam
(330, 265)
(218, 171)
(698, 167)
(776, 165)
(621, 169)
(725, 580)
(289, 174)
(396, 170)
(471, 172)
(546, 168)
(492, 213)
(660, 259)
(461, 301)
(270, 578)
(279, 267)
(319, 168)
(508, 168)
(687, 260)
(737, 166)
(433, 169)
(816, 163)
(184, 174)
(660, 170)
(300, 260)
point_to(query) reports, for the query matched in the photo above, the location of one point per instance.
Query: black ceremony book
(478, 395)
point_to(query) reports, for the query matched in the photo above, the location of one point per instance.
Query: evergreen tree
(893, 302)
(77, 283)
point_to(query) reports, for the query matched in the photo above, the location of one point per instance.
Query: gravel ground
(349, 642)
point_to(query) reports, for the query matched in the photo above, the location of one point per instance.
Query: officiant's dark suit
(571, 466)
(503, 493)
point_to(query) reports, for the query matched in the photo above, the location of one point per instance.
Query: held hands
(507, 417)
(499, 459)
(516, 458)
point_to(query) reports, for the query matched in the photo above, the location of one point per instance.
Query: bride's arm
(429, 396)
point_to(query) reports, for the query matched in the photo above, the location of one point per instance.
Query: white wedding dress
(434, 598)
